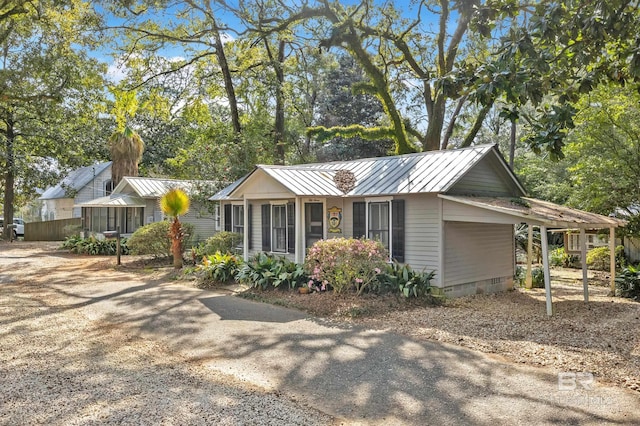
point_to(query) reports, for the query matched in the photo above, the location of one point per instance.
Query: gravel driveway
(82, 343)
(59, 367)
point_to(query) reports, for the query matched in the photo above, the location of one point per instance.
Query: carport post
(545, 264)
(528, 279)
(612, 254)
(583, 255)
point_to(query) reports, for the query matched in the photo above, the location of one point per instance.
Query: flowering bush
(344, 263)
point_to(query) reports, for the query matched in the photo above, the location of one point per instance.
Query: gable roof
(425, 172)
(146, 187)
(75, 181)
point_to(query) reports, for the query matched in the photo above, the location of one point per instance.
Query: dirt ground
(600, 337)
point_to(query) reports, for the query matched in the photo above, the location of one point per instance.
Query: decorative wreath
(345, 180)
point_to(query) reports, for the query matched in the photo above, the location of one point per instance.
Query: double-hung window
(381, 220)
(278, 227)
(237, 219)
(279, 223)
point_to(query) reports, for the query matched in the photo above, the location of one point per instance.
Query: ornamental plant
(345, 263)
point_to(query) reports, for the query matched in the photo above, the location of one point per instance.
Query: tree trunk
(512, 144)
(176, 243)
(435, 125)
(473, 132)
(228, 81)
(9, 179)
(279, 141)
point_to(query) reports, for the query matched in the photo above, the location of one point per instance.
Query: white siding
(58, 208)
(422, 233)
(477, 251)
(261, 185)
(488, 178)
(94, 189)
(460, 212)
(202, 219)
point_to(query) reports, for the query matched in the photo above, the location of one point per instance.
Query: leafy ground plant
(403, 279)
(628, 282)
(218, 268)
(265, 271)
(94, 246)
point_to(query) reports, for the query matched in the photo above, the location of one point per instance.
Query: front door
(313, 223)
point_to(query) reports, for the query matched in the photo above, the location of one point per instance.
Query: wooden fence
(51, 230)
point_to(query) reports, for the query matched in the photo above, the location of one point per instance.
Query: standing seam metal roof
(427, 172)
(75, 181)
(155, 187)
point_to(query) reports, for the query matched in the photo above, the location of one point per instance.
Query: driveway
(354, 375)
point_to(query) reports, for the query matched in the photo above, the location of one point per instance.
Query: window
(279, 219)
(379, 222)
(238, 219)
(278, 227)
(108, 187)
(383, 221)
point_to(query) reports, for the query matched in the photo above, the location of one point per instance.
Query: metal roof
(426, 172)
(224, 193)
(157, 187)
(115, 200)
(75, 181)
(543, 212)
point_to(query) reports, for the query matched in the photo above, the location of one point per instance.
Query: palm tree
(175, 203)
(126, 149)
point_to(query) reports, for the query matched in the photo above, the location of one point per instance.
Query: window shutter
(227, 217)
(291, 227)
(266, 227)
(248, 225)
(359, 219)
(397, 217)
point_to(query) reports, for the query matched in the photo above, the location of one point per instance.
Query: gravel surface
(58, 367)
(601, 337)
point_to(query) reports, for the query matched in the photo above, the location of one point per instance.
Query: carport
(541, 214)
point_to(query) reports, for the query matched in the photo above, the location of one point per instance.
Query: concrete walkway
(359, 376)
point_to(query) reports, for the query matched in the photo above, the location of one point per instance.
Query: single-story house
(450, 211)
(81, 185)
(135, 202)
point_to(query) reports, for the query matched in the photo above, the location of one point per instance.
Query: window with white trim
(379, 222)
(279, 227)
(237, 219)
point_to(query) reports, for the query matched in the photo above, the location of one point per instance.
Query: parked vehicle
(18, 227)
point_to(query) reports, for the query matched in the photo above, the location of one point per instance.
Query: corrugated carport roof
(537, 211)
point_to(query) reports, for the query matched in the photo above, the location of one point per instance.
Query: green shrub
(403, 279)
(598, 258)
(94, 246)
(559, 257)
(345, 263)
(153, 239)
(223, 242)
(628, 282)
(537, 277)
(218, 268)
(265, 270)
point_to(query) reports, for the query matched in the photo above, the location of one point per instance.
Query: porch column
(583, 255)
(245, 231)
(528, 282)
(612, 254)
(545, 263)
(299, 257)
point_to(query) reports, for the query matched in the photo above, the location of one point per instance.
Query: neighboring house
(135, 202)
(450, 211)
(83, 184)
